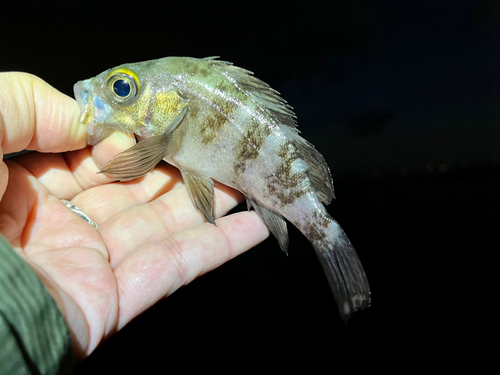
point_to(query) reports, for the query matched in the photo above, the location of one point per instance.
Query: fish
(215, 121)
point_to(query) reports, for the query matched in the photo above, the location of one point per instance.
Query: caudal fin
(344, 271)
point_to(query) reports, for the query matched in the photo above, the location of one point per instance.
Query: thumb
(35, 116)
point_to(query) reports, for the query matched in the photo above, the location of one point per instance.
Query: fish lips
(93, 111)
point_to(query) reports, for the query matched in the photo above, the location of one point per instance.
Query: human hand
(150, 240)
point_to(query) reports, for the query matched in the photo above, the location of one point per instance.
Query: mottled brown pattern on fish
(194, 68)
(288, 179)
(312, 233)
(225, 106)
(193, 110)
(249, 145)
(317, 229)
(284, 172)
(321, 219)
(204, 72)
(225, 89)
(286, 198)
(285, 184)
(284, 151)
(210, 126)
(287, 190)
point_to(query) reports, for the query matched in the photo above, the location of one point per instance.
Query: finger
(19, 200)
(105, 201)
(108, 200)
(32, 218)
(155, 270)
(51, 171)
(35, 116)
(66, 180)
(170, 214)
(86, 164)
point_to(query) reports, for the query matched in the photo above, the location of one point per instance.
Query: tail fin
(344, 271)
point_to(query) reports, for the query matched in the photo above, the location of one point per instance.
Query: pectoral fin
(274, 221)
(201, 192)
(144, 156)
(139, 159)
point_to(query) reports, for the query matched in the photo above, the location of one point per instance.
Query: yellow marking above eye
(123, 83)
(127, 72)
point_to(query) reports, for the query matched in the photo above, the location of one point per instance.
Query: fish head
(131, 98)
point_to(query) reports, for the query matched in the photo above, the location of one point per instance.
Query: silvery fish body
(215, 121)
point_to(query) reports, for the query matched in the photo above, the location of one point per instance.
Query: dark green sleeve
(34, 338)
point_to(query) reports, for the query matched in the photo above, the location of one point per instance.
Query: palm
(150, 239)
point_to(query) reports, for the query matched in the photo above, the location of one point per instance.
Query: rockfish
(215, 121)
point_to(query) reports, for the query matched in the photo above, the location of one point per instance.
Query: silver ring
(79, 212)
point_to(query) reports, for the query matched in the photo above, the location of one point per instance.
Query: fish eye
(121, 88)
(123, 85)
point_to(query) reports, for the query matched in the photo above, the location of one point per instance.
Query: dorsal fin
(318, 171)
(268, 99)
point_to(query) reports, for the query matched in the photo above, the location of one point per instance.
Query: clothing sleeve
(34, 338)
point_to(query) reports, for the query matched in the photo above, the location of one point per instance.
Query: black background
(403, 100)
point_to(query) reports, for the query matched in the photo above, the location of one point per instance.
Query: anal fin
(201, 192)
(274, 222)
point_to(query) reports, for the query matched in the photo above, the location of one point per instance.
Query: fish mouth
(93, 112)
(83, 96)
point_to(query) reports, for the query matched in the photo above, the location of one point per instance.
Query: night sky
(403, 100)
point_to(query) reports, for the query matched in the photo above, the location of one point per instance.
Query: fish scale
(215, 121)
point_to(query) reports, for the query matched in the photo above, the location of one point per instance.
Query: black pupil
(121, 88)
